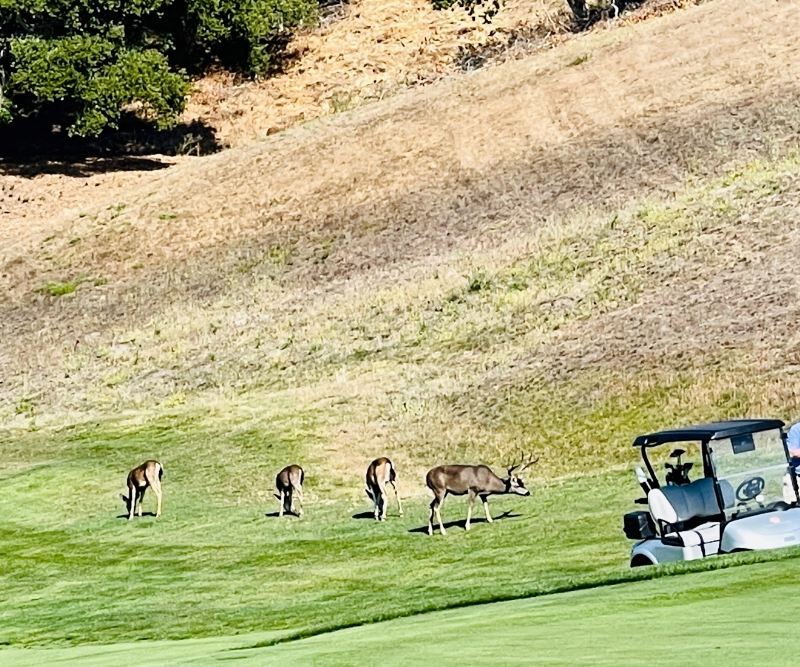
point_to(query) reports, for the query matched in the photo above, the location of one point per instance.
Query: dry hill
(561, 247)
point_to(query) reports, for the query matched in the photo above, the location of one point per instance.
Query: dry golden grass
(369, 49)
(514, 256)
(362, 52)
(375, 48)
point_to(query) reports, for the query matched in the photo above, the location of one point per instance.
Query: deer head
(515, 483)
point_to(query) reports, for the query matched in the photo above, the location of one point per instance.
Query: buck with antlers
(288, 482)
(147, 474)
(477, 481)
(380, 473)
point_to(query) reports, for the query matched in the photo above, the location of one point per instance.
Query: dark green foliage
(485, 9)
(82, 63)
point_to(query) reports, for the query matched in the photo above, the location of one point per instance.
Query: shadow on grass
(271, 515)
(461, 523)
(31, 147)
(136, 516)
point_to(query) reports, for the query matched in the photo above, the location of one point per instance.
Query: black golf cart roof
(706, 432)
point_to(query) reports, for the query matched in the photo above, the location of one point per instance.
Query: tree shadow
(461, 523)
(31, 147)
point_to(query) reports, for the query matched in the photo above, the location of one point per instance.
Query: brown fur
(148, 474)
(473, 480)
(380, 472)
(288, 482)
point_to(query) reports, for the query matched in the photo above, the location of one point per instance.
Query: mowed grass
(740, 615)
(74, 570)
(631, 307)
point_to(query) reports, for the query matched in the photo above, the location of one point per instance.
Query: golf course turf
(740, 615)
(549, 256)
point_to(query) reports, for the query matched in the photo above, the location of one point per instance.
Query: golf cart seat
(680, 511)
(643, 480)
(789, 495)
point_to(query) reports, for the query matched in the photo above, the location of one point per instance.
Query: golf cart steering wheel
(750, 488)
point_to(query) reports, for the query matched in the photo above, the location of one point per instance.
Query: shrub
(82, 63)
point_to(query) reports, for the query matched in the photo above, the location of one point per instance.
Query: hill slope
(433, 263)
(553, 254)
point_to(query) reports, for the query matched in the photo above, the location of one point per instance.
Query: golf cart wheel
(640, 560)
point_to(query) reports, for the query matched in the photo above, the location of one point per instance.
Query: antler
(522, 465)
(513, 467)
(529, 463)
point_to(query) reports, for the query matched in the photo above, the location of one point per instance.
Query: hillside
(553, 254)
(444, 263)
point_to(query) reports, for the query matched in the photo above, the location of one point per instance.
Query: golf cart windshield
(750, 469)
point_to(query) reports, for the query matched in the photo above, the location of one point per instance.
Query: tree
(85, 62)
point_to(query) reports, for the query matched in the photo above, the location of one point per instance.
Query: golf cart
(745, 499)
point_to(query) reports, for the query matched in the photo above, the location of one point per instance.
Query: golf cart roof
(705, 432)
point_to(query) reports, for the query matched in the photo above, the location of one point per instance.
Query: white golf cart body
(747, 498)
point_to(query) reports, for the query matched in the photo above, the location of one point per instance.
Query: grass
(587, 273)
(218, 563)
(55, 288)
(732, 615)
(215, 564)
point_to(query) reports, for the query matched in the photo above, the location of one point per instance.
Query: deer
(148, 474)
(289, 481)
(380, 473)
(475, 481)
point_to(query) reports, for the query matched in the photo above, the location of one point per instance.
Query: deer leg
(300, 501)
(141, 501)
(376, 499)
(131, 502)
(384, 502)
(397, 495)
(280, 511)
(470, 502)
(430, 518)
(436, 508)
(439, 517)
(485, 501)
(155, 484)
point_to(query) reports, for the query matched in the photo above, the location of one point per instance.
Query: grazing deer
(380, 473)
(147, 474)
(289, 480)
(474, 480)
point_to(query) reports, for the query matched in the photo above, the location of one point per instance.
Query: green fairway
(742, 615)
(619, 266)
(73, 570)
